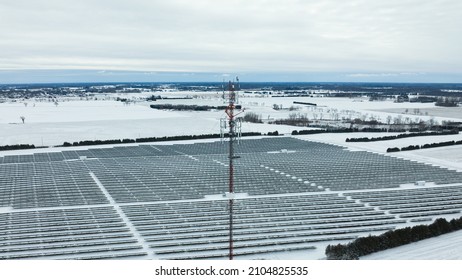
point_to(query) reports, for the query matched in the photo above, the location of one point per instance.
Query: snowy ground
(451, 112)
(46, 124)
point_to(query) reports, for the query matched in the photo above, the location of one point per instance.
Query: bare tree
(389, 118)
(431, 122)
(364, 117)
(336, 116)
(252, 117)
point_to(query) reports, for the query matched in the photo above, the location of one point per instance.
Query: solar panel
(161, 188)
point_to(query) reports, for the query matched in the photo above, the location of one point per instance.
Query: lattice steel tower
(234, 132)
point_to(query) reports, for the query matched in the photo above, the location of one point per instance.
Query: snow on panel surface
(298, 202)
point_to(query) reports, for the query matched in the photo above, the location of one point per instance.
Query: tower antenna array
(230, 112)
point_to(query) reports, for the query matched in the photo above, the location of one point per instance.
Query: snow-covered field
(450, 112)
(47, 124)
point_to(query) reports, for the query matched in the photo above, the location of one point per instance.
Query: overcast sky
(354, 40)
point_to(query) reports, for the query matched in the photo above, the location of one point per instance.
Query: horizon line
(219, 82)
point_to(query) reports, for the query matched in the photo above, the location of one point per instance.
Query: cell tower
(234, 132)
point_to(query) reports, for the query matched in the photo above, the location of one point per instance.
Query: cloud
(236, 36)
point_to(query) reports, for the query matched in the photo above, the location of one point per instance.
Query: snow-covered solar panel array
(88, 233)
(199, 229)
(153, 201)
(415, 203)
(49, 184)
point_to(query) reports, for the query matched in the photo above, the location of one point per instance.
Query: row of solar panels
(247, 146)
(199, 229)
(145, 179)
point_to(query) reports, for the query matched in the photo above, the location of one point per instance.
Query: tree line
(16, 147)
(336, 130)
(157, 139)
(426, 146)
(181, 107)
(404, 135)
(448, 101)
(390, 239)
